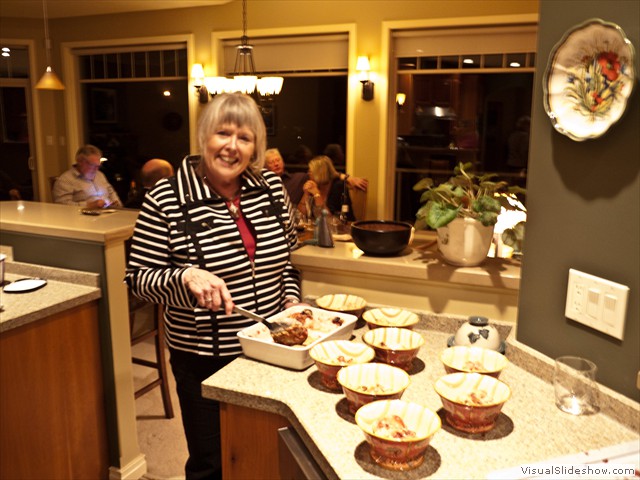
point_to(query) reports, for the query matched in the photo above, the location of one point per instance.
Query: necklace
(232, 203)
(234, 207)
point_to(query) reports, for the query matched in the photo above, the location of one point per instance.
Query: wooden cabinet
(436, 90)
(52, 413)
(251, 446)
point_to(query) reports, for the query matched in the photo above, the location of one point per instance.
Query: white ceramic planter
(464, 242)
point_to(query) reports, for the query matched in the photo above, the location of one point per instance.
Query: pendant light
(49, 80)
(245, 79)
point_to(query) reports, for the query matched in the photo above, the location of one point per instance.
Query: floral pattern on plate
(588, 80)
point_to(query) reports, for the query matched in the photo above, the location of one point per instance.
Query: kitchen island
(52, 398)
(62, 236)
(530, 428)
(416, 278)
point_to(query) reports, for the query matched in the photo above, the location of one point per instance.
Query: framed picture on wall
(104, 105)
(269, 117)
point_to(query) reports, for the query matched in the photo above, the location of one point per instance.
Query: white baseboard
(134, 470)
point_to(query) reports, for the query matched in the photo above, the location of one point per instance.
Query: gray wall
(584, 201)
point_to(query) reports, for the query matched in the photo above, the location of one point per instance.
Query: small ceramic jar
(478, 333)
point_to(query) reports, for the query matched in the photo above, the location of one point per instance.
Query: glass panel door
(17, 170)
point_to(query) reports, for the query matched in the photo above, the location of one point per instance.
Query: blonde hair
(238, 109)
(322, 169)
(272, 152)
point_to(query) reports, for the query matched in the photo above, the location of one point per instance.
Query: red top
(245, 232)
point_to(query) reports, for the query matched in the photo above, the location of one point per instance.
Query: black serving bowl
(381, 237)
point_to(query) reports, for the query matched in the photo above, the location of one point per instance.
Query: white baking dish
(257, 343)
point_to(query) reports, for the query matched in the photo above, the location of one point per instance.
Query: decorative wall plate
(588, 79)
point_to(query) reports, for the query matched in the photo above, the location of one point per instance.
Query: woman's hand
(210, 290)
(311, 188)
(358, 183)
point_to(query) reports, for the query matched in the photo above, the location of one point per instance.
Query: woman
(215, 235)
(324, 189)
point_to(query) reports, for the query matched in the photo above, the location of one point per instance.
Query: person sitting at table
(293, 182)
(151, 172)
(84, 184)
(324, 189)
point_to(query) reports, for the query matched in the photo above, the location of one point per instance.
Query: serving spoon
(286, 331)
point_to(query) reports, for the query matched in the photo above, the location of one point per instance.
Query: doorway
(17, 168)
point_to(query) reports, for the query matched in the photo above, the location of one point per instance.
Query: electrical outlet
(598, 303)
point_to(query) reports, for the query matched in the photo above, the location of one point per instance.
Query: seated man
(83, 184)
(151, 172)
(294, 182)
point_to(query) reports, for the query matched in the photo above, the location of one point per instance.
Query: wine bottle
(344, 210)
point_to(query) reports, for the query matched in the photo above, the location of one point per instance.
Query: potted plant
(514, 237)
(463, 210)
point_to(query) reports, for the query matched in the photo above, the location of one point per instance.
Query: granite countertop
(530, 429)
(420, 261)
(65, 289)
(66, 221)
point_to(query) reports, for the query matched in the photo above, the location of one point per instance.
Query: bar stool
(160, 364)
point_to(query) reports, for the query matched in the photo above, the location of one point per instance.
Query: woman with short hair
(217, 234)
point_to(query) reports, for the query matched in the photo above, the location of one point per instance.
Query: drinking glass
(574, 382)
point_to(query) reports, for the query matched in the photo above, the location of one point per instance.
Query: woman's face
(228, 152)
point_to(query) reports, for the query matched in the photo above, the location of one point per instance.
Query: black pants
(200, 416)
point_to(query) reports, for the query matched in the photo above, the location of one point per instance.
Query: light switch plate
(598, 303)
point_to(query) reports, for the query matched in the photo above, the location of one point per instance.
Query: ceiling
(81, 8)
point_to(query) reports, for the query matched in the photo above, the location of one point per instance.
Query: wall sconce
(363, 67)
(400, 99)
(197, 74)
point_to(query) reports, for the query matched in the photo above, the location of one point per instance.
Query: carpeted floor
(161, 440)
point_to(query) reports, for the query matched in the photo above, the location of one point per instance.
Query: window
(135, 101)
(133, 64)
(468, 96)
(311, 110)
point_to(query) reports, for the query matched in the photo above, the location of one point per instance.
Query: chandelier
(244, 78)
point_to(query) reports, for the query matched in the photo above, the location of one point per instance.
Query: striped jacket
(183, 223)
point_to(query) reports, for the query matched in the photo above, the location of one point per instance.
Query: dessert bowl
(394, 346)
(473, 359)
(343, 303)
(390, 317)
(472, 401)
(332, 355)
(398, 432)
(368, 382)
